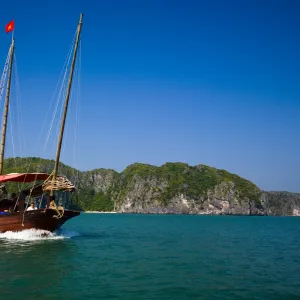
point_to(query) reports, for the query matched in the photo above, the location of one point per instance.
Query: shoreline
(194, 214)
(99, 212)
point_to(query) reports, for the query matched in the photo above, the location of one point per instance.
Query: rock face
(282, 203)
(222, 199)
(181, 189)
(101, 180)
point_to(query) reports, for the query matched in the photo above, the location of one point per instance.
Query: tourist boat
(14, 213)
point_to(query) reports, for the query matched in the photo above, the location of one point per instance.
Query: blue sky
(202, 82)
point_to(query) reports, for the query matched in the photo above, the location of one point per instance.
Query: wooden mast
(6, 107)
(59, 143)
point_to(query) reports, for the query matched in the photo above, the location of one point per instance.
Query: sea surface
(124, 256)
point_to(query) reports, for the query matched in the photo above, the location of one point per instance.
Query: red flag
(10, 26)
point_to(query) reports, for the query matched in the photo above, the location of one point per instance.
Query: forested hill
(170, 188)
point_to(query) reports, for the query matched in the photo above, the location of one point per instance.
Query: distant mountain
(170, 188)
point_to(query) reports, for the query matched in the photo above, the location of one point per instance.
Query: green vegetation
(100, 189)
(194, 182)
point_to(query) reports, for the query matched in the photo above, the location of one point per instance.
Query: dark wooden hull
(38, 219)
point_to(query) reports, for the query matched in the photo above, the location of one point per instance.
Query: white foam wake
(38, 234)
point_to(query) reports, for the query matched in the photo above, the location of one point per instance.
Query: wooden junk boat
(14, 213)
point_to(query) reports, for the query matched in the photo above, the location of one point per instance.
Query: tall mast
(6, 107)
(61, 134)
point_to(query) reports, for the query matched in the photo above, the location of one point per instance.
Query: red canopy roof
(23, 177)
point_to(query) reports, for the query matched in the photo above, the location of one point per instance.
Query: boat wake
(38, 234)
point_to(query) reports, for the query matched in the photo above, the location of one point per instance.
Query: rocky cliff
(171, 188)
(281, 203)
(179, 188)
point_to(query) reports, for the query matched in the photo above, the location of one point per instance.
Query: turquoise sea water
(112, 256)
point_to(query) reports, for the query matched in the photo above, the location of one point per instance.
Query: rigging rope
(12, 136)
(59, 210)
(20, 123)
(57, 104)
(10, 116)
(4, 75)
(64, 72)
(61, 183)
